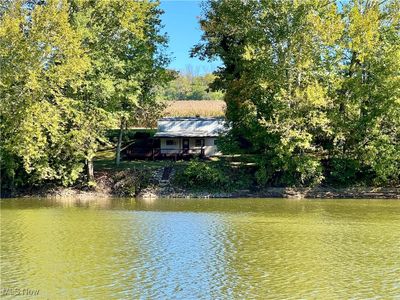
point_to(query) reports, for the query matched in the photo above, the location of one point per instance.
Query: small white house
(189, 136)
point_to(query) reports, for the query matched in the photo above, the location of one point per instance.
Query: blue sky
(180, 21)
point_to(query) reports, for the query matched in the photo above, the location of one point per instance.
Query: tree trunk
(119, 144)
(89, 170)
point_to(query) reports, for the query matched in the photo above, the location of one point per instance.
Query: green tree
(277, 89)
(366, 116)
(69, 69)
(124, 43)
(309, 85)
(42, 129)
(190, 87)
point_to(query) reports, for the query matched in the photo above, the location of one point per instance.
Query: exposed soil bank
(148, 184)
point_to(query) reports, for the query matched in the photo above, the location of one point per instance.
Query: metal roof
(190, 127)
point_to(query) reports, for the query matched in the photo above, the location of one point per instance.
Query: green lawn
(104, 164)
(105, 160)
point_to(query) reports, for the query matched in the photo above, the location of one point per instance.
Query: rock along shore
(292, 193)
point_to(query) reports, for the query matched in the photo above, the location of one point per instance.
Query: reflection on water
(202, 249)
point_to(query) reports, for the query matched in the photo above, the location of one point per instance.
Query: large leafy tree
(123, 40)
(42, 129)
(308, 84)
(68, 68)
(275, 55)
(367, 108)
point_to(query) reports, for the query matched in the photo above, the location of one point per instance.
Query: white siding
(210, 148)
(170, 149)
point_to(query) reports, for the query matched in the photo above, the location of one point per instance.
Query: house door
(185, 146)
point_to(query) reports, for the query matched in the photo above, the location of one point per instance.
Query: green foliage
(262, 175)
(343, 170)
(124, 43)
(68, 69)
(307, 82)
(199, 174)
(91, 184)
(129, 134)
(190, 87)
(129, 182)
(218, 176)
(43, 129)
(289, 171)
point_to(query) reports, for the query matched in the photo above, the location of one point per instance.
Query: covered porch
(187, 146)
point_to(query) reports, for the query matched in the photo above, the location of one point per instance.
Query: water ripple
(202, 249)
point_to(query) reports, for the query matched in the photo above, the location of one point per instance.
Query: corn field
(192, 108)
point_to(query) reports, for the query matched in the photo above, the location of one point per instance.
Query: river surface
(201, 249)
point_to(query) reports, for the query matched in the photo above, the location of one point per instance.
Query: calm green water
(202, 249)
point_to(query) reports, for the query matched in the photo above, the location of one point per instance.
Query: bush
(343, 171)
(309, 171)
(200, 174)
(288, 171)
(218, 176)
(128, 183)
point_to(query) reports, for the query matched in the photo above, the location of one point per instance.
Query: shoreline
(157, 192)
(129, 183)
(293, 193)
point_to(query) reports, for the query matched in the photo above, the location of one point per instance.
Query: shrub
(296, 170)
(219, 176)
(128, 183)
(343, 170)
(201, 174)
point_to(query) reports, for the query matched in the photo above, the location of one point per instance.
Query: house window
(199, 143)
(170, 142)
